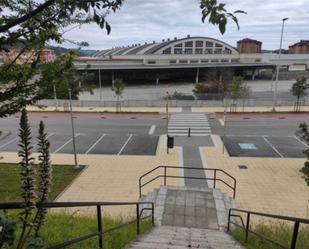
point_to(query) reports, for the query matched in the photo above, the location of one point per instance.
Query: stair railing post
(295, 234)
(215, 178)
(164, 175)
(229, 220)
(234, 194)
(247, 227)
(152, 216)
(140, 188)
(99, 218)
(137, 219)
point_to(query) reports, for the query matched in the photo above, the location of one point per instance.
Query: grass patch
(280, 232)
(60, 227)
(63, 175)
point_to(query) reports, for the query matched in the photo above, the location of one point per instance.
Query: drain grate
(242, 167)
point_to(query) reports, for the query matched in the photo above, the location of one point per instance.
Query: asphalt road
(130, 134)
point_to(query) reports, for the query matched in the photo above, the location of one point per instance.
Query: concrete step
(164, 237)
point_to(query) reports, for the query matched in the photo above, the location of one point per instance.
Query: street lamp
(278, 68)
(76, 166)
(167, 120)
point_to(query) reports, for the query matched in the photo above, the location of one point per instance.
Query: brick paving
(271, 185)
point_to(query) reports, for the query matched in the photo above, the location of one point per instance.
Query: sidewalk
(107, 109)
(271, 185)
(240, 109)
(111, 178)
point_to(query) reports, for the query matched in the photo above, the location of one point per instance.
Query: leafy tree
(236, 90)
(245, 94)
(63, 74)
(34, 23)
(118, 87)
(303, 133)
(299, 90)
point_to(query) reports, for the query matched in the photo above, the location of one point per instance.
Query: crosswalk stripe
(179, 125)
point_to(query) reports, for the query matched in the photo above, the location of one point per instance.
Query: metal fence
(205, 100)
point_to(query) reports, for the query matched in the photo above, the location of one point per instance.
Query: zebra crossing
(179, 125)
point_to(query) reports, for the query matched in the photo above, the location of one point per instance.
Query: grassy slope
(63, 175)
(60, 227)
(279, 232)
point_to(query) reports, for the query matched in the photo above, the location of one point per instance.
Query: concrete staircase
(170, 237)
(205, 234)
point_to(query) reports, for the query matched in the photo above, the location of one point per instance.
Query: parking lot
(264, 146)
(91, 144)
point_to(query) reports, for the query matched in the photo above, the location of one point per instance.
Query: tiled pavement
(190, 209)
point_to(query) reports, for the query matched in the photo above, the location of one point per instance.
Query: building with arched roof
(189, 59)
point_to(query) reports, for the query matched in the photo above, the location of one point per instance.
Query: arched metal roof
(157, 48)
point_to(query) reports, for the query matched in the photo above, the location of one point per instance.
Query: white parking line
(125, 144)
(302, 142)
(7, 143)
(95, 144)
(273, 147)
(152, 129)
(70, 140)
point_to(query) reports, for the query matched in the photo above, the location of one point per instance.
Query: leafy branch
(217, 14)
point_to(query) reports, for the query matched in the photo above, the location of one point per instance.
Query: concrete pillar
(197, 75)
(113, 78)
(100, 85)
(253, 74)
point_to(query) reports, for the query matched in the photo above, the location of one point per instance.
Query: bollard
(189, 132)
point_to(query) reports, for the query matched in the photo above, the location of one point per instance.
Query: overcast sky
(140, 21)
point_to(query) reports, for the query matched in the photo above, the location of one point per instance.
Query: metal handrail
(297, 222)
(165, 176)
(99, 205)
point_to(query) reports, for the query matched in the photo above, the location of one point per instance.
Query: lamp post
(278, 68)
(167, 120)
(55, 98)
(76, 166)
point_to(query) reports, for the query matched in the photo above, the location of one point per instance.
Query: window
(218, 45)
(198, 51)
(209, 44)
(173, 61)
(194, 61)
(179, 45)
(183, 61)
(151, 62)
(218, 51)
(215, 60)
(208, 51)
(199, 44)
(225, 60)
(167, 51)
(227, 51)
(188, 51)
(189, 44)
(177, 50)
(204, 61)
(235, 60)
(258, 60)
